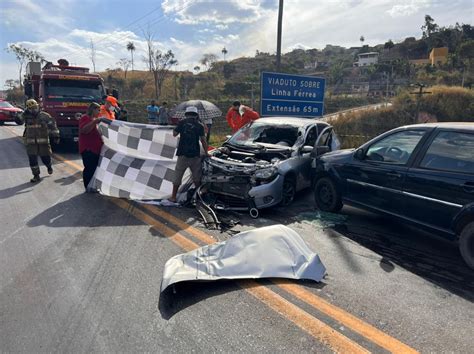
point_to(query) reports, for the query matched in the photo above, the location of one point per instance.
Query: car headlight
(265, 173)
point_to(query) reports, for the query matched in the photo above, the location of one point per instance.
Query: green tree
(224, 51)
(429, 27)
(466, 55)
(389, 45)
(208, 60)
(228, 70)
(24, 55)
(131, 48)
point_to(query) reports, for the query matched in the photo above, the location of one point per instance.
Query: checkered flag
(137, 161)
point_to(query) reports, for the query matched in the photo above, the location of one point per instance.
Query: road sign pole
(280, 20)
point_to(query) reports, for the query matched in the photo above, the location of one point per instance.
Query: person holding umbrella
(190, 132)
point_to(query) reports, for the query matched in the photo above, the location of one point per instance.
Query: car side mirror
(306, 149)
(359, 154)
(228, 137)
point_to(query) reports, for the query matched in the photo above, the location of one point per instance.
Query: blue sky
(191, 28)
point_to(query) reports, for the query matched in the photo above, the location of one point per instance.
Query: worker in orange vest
(239, 115)
(107, 110)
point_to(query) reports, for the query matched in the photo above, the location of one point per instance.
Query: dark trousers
(33, 159)
(90, 161)
(208, 132)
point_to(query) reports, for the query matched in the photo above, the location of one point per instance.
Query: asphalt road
(81, 272)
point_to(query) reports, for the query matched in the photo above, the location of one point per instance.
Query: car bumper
(260, 197)
(269, 194)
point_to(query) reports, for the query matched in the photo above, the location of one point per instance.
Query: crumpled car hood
(268, 252)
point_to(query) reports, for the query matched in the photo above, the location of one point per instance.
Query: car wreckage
(265, 163)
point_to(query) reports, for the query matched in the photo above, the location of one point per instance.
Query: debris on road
(269, 252)
(321, 219)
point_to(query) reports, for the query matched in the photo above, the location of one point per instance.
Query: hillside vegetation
(444, 104)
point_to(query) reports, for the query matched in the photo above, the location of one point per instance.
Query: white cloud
(298, 46)
(407, 9)
(24, 13)
(217, 12)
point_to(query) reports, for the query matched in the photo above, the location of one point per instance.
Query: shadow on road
(425, 255)
(12, 191)
(180, 296)
(85, 209)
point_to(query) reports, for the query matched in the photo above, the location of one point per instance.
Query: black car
(422, 173)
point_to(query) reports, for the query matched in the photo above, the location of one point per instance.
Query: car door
(441, 181)
(304, 158)
(376, 178)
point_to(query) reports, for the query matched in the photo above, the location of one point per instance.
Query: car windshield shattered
(259, 134)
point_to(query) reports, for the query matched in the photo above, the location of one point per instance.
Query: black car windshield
(5, 104)
(261, 132)
(67, 90)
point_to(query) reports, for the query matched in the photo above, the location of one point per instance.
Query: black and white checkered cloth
(137, 161)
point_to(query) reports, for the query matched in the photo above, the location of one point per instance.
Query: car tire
(1, 122)
(466, 244)
(288, 191)
(18, 121)
(326, 195)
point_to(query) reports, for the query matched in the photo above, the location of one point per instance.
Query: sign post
(291, 95)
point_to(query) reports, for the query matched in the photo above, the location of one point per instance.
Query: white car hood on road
(268, 252)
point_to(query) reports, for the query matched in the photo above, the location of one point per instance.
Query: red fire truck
(64, 92)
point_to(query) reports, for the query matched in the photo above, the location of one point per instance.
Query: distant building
(316, 64)
(438, 56)
(366, 59)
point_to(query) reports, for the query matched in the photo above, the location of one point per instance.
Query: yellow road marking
(355, 324)
(324, 333)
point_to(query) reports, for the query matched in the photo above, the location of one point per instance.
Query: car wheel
(326, 195)
(288, 192)
(466, 244)
(1, 122)
(18, 121)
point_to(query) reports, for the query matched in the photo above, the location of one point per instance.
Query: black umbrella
(205, 109)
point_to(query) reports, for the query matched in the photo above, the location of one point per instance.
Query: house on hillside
(438, 56)
(366, 59)
(317, 64)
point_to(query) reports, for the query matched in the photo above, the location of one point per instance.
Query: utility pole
(419, 94)
(280, 20)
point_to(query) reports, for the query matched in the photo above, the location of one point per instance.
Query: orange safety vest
(105, 113)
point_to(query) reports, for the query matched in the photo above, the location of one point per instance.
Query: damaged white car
(265, 163)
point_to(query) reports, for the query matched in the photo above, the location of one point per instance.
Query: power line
(150, 23)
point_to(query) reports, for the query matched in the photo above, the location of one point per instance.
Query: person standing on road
(163, 114)
(39, 127)
(152, 110)
(107, 110)
(238, 115)
(190, 132)
(90, 142)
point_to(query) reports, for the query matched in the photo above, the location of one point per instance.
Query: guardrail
(329, 117)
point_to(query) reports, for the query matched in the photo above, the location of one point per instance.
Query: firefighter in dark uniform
(39, 127)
